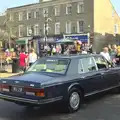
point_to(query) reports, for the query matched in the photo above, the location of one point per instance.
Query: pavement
(8, 72)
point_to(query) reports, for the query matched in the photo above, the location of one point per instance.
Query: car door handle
(82, 77)
(99, 74)
(102, 73)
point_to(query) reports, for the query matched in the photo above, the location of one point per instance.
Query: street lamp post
(46, 31)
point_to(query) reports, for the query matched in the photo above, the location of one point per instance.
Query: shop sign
(83, 38)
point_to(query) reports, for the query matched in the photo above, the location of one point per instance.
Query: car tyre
(75, 99)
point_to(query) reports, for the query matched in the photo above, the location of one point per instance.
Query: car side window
(88, 64)
(101, 62)
(80, 67)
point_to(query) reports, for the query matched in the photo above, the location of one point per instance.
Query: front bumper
(30, 101)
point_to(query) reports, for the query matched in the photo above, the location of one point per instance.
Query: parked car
(61, 78)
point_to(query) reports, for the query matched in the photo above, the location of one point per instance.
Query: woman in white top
(32, 57)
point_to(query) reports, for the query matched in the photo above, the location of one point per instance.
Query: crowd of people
(66, 49)
(24, 59)
(111, 53)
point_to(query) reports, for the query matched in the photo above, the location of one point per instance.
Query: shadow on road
(11, 111)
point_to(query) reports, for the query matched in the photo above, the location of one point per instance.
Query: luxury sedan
(65, 79)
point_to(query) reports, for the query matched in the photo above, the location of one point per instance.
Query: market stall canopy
(65, 40)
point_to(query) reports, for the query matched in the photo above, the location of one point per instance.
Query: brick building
(92, 21)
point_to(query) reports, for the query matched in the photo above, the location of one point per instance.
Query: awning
(21, 42)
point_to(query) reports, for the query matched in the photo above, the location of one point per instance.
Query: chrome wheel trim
(74, 100)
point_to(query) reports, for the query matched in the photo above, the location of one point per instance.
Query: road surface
(99, 107)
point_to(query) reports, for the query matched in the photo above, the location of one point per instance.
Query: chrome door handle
(102, 73)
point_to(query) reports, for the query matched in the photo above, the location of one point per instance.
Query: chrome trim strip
(51, 100)
(99, 91)
(24, 100)
(4, 82)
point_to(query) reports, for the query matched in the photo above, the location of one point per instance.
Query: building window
(46, 29)
(57, 10)
(68, 27)
(20, 16)
(36, 29)
(29, 30)
(57, 28)
(80, 7)
(11, 17)
(21, 31)
(68, 9)
(80, 26)
(36, 14)
(29, 15)
(45, 12)
(116, 29)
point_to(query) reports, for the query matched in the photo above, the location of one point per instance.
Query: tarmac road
(100, 107)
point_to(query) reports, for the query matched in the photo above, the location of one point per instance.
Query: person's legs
(22, 68)
(30, 64)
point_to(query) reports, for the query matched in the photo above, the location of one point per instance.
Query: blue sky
(12, 3)
(116, 4)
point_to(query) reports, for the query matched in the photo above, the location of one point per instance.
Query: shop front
(23, 43)
(84, 38)
(40, 42)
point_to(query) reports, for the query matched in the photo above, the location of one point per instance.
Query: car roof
(73, 56)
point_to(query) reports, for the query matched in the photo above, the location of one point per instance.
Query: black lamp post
(46, 22)
(46, 32)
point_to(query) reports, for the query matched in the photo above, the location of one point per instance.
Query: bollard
(1, 62)
(2, 70)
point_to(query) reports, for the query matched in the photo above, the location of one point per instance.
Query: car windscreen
(50, 65)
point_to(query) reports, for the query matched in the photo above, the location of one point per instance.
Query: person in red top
(22, 60)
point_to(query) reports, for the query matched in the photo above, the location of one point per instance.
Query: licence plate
(17, 89)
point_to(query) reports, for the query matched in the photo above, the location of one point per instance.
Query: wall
(105, 18)
(87, 16)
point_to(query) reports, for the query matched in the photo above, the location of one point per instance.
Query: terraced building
(91, 21)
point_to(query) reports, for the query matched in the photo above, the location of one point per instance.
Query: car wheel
(74, 100)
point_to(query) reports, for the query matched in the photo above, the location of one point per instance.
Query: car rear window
(50, 65)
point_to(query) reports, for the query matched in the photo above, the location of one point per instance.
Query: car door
(109, 74)
(112, 77)
(117, 69)
(92, 79)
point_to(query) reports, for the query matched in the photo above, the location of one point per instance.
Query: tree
(4, 36)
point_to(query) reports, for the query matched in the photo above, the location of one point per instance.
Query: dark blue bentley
(67, 79)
